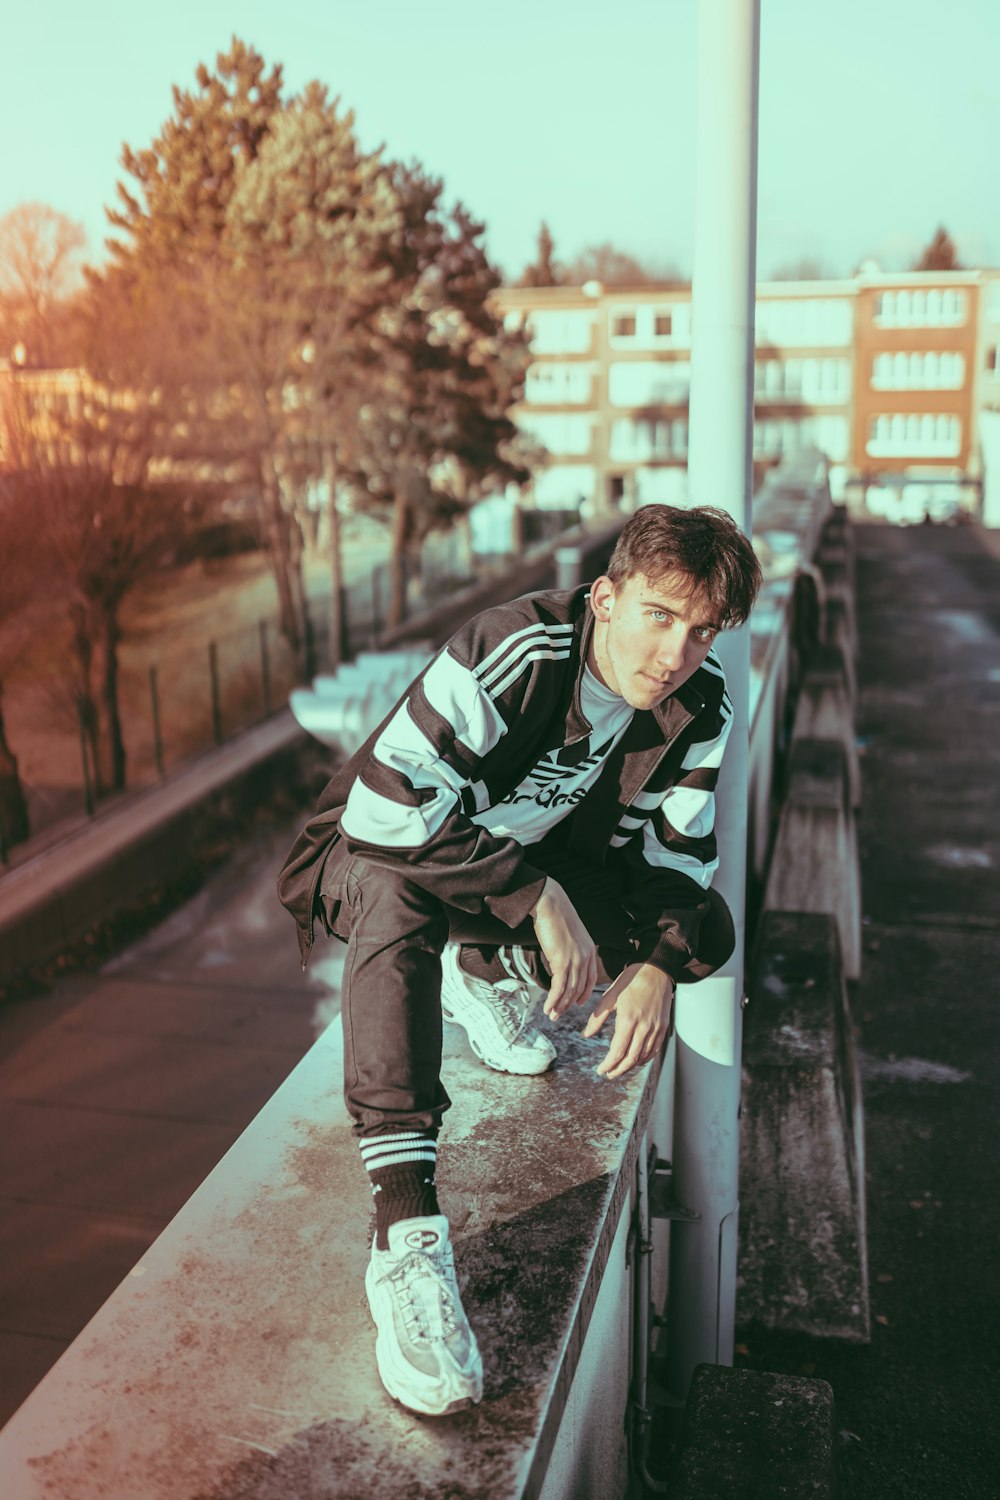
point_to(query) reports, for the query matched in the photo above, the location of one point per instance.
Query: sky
(878, 121)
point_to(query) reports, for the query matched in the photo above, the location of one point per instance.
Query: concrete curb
(814, 867)
(53, 900)
(758, 1436)
(803, 1262)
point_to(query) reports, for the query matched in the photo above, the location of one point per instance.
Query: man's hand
(569, 950)
(643, 998)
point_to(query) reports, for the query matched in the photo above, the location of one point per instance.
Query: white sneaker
(495, 1017)
(426, 1353)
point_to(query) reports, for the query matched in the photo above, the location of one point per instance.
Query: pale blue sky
(878, 120)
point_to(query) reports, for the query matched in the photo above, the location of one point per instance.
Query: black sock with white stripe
(400, 1164)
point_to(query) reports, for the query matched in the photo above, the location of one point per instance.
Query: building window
(642, 382)
(909, 435)
(934, 308)
(623, 325)
(561, 433)
(560, 332)
(805, 322)
(820, 382)
(639, 439)
(662, 324)
(550, 384)
(993, 358)
(924, 370)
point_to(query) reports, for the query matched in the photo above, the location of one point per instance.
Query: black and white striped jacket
(505, 690)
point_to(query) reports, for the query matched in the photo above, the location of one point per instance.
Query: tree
(184, 180)
(940, 254)
(174, 216)
(807, 268)
(40, 267)
(439, 435)
(543, 271)
(19, 593)
(609, 266)
(87, 466)
(303, 229)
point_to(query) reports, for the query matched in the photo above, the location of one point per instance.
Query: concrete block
(757, 1436)
(825, 710)
(838, 583)
(814, 866)
(835, 629)
(803, 1263)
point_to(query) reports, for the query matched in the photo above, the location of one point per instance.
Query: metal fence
(178, 699)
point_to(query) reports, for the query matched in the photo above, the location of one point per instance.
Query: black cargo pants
(391, 998)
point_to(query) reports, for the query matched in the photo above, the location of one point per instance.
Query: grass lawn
(168, 624)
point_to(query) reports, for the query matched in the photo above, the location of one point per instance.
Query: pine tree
(543, 271)
(440, 435)
(940, 254)
(304, 227)
(184, 180)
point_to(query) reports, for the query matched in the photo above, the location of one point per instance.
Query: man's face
(649, 637)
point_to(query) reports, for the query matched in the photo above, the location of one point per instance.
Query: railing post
(154, 699)
(213, 672)
(569, 567)
(702, 1297)
(88, 786)
(376, 605)
(265, 668)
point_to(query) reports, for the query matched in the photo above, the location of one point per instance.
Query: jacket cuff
(514, 907)
(656, 948)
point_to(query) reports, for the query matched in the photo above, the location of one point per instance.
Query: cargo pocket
(332, 903)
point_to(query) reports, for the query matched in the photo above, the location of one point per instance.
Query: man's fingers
(631, 1048)
(556, 989)
(602, 1010)
(590, 982)
(621, 1044)
(578, 980)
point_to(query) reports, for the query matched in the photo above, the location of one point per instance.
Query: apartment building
(986, 396)
(877, 371)
(915, 349)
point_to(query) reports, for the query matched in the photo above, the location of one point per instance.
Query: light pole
(702, 1299)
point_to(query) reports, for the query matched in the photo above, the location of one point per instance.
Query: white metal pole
(702, 1299)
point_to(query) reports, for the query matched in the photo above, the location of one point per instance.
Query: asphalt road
(917, 1410)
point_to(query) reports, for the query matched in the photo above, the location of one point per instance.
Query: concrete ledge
(49, 902)
(838, 584)
(803, 1259)
(825, 709)
(757, 1436)
(814, 866)
(238, 1357)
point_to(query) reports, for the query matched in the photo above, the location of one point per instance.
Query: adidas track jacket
(504, 691)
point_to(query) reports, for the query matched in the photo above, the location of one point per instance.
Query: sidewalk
(119, 1092)
(917, 1410)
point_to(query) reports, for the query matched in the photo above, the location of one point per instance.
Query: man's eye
(705, 632)
(659, 614)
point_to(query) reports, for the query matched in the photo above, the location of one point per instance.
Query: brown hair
(703, 543)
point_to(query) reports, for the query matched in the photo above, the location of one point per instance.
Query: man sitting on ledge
(534, 818)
